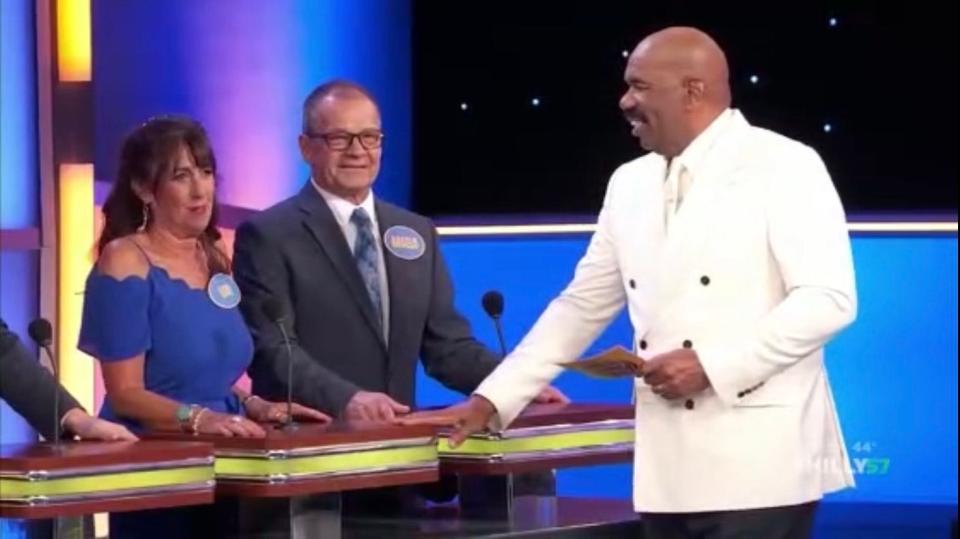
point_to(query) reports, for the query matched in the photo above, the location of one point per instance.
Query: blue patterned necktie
(365, 255)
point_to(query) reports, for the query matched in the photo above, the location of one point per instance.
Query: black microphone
(492, 302)
(41, 332)
(273, 310)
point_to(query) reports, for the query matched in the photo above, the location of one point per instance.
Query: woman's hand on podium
(469, 417)
(87, 427)
(266, 411)
(228, 425)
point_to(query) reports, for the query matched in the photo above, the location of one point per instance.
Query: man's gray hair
(337, 87)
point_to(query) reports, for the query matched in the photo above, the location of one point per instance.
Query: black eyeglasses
(341, 140)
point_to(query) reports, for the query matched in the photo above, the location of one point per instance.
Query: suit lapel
(402, 278)
(320, 223)
(693, 223)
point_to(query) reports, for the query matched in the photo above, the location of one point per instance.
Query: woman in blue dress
(160, 309)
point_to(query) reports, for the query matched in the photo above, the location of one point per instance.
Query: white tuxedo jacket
(756, 275)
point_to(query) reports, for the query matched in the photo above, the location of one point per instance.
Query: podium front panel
(76, 478)
(316, 459)
(546, 437)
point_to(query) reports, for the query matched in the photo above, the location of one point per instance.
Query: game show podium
(495, 470)
(288, 484)
(506, 480)
(46, 482)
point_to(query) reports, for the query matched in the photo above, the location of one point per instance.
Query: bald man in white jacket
(728, 244)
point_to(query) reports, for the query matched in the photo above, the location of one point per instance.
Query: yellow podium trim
(547, 442)
(325, 464)
(21, 488)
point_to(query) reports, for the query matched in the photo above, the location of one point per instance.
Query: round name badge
(223, 291)
(404, 242)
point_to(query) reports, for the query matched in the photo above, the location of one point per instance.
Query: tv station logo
(866, 461)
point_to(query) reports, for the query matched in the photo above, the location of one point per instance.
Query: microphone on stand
(492, 302)
(273, 310)
(41, 332)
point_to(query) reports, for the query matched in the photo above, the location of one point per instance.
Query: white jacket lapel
(692, 224)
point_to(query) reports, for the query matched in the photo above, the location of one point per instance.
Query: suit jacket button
(643, 345)
(633, 284)
(689, 404)
(704, 280)
(688, 343)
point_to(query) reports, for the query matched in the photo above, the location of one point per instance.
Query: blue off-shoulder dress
(194, 352)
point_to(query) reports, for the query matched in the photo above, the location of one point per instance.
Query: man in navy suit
(363, 284)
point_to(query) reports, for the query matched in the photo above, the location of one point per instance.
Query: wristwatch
(185, 415)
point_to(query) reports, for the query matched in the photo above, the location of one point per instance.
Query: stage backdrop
(19, 187)
(243, 68)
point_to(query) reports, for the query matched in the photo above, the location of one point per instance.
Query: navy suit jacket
(296, 252)
(28, 387)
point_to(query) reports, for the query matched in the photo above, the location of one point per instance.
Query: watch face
(183, 413)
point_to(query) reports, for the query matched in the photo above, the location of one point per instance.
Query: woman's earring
(146, 218)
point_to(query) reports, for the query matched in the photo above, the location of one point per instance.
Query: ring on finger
(236, 419)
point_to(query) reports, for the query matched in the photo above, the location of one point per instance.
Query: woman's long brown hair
(148, 155)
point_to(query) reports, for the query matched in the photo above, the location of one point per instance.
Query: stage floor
(596, 518)
(841, 520)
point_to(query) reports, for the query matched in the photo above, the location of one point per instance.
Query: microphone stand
(61, 525)
(289, 425)
(56, 396)
(499, 328)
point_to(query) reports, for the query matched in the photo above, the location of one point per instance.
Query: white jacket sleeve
(566, 328)
(809, 241)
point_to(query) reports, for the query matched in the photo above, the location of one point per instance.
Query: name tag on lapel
(404, 242)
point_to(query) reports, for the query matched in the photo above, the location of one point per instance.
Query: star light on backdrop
(546, 87)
